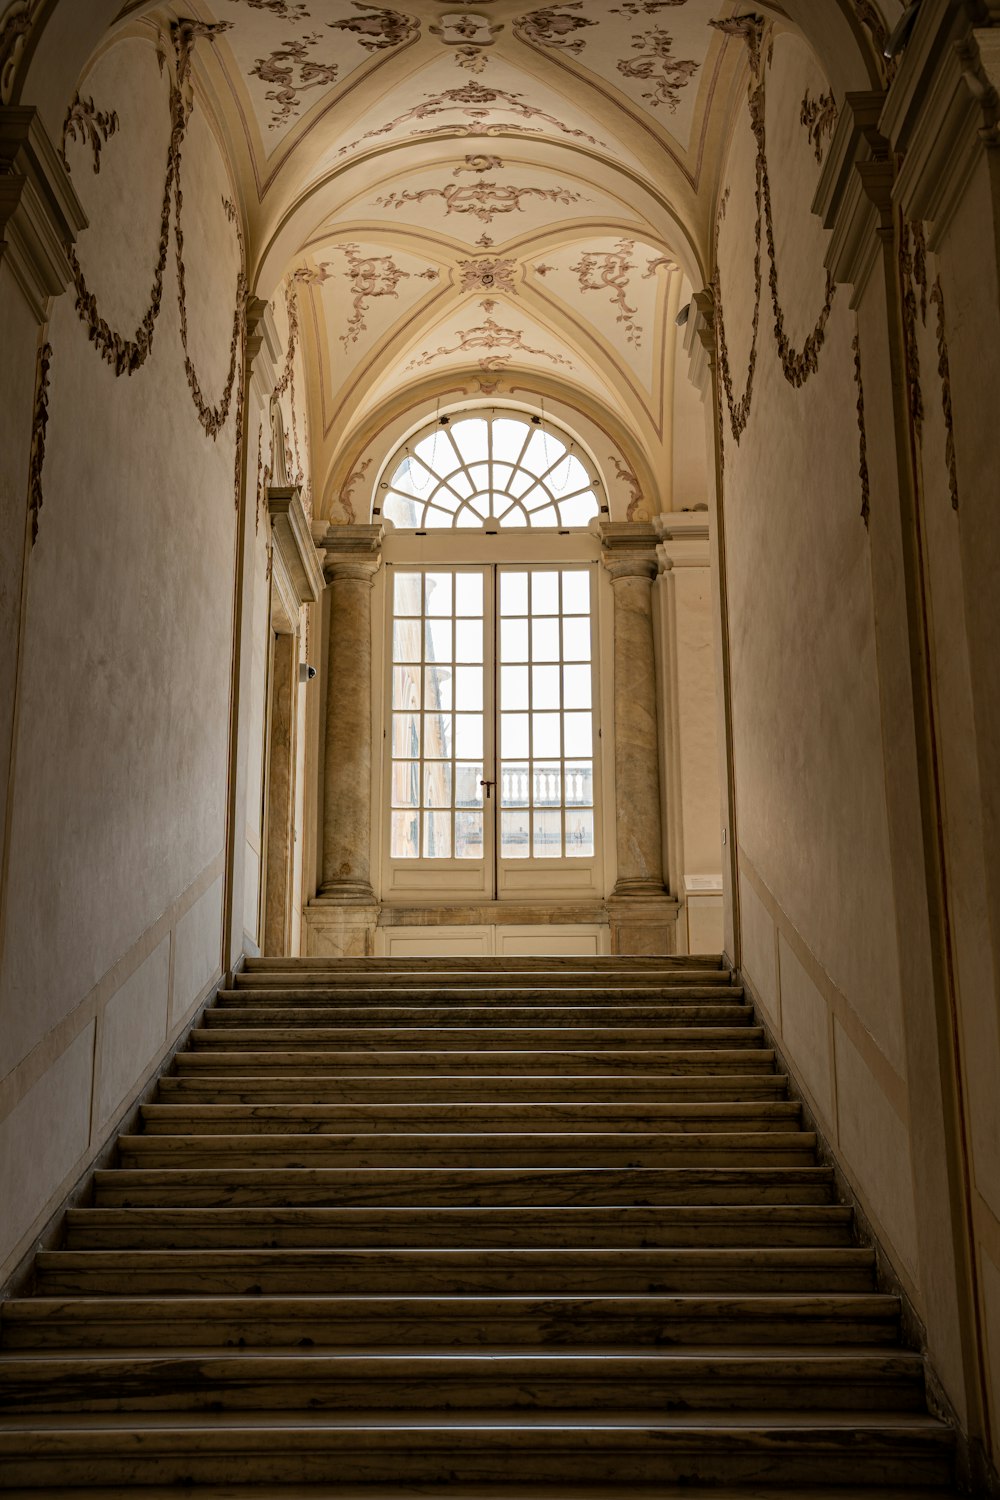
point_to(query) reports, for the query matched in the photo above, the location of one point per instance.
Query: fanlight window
(507, 470)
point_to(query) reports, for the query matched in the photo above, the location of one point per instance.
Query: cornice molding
(628, 548)
(854, 196)
(684, 540)
(40, 213)
(351, 552)
(294, 543)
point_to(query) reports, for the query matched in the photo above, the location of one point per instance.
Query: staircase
(492, 1228)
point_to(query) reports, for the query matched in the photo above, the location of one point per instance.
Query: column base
(643, 924)
(339, 928)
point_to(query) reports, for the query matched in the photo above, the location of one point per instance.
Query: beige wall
(122, 711)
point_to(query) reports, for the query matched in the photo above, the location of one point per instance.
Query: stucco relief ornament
(819, 117)
(484, 200)
(487, 335)
(637, 509)
(657, 65)
(16, 22)
(369, 276)
(353, 479)
(378, 28)
(644, 7)
(491, 275)
(611, 271)
(279, 69)
(89, 125)
(479, 164)
(476, 103)
(555, 26)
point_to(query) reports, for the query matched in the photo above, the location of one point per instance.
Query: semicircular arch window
(490, 469)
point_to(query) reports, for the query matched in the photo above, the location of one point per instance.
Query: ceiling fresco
(500, 197)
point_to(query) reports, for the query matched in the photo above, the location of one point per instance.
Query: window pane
(437, 835)
(405, 835)
(548, 835)
(545, 687)
(469, 640)
(577, 687)
(509, 436)
(514, 736)
(547, 517)
(468, 835)
(480, 476)
(469, 735)
(468, 792)
(469, 594)
(406, 640)
(515, 829)
(515, 783)
(545, 734)
(468, 517)
(545, 640)
(513, 640)
(405, 736)
(578, 510)
(545, 593)
(406, 594)
(402, 512)
(462, 486)
(411, 478)
(438, 593)
(576, 593)
(469, 438)
(438, 687)
(580, 783)
(437, 784)
(406, 687)
(546, 784)
(437, 736)
(469, 687)
(513, 593)
(514, 687)
(579, 734)
(405, 784)
(579, 835)
(576, 639)
(437, 640)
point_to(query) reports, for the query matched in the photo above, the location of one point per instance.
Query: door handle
(487, 785)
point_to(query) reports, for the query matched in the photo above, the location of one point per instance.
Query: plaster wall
(112, 930)
(815, 872)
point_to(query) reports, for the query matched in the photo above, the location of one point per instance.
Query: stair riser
(497, 1457)
(311, 1064)
(188, 1390)
(480, 1090)
(485, 1040)
(321, 1013)
(174, 1120)
(390, 1188)
(164, 1152)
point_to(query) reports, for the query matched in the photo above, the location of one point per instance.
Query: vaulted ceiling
(476, 199)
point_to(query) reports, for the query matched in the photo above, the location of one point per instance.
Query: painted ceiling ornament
(637, 508)
(464, 29)
(611, 271)
(476, 102)
(554, 26)
(644, 7)
(494, 274)
(279, 68)
(484, 200)
(487, 335)
(658, 263)
(657, 65)
(479, 164)
(88, 125)
(286, 10)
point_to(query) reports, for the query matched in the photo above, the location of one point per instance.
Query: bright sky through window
(502, 469)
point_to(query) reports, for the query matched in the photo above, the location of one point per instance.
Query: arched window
(491, 469)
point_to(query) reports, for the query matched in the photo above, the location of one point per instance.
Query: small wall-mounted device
(306, 672)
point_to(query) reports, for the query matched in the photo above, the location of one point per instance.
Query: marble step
(452, 1272)
(499, 1492)
(211, 1055)
(495, 972)
(485, 998)
(477, 1448)
(478, 1088)
(257, 1010)
(325, 1187)
(585, 1115)
(601, 1381)
(787, 1320)
(221, 1228)
(466, 1149)
(230, 1033)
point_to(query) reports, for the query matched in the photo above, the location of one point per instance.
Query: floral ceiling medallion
(493, 274)
(470, 35)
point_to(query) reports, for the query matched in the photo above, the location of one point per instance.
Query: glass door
(490, 733)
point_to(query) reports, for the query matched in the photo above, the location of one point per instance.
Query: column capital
(40, 213)
(628, 549)
(351, 552)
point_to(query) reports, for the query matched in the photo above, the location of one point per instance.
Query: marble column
(642, 915)
(342, 918)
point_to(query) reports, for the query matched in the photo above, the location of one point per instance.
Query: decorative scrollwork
(39, 422)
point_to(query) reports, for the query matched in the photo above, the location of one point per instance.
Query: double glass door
(491, 733)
